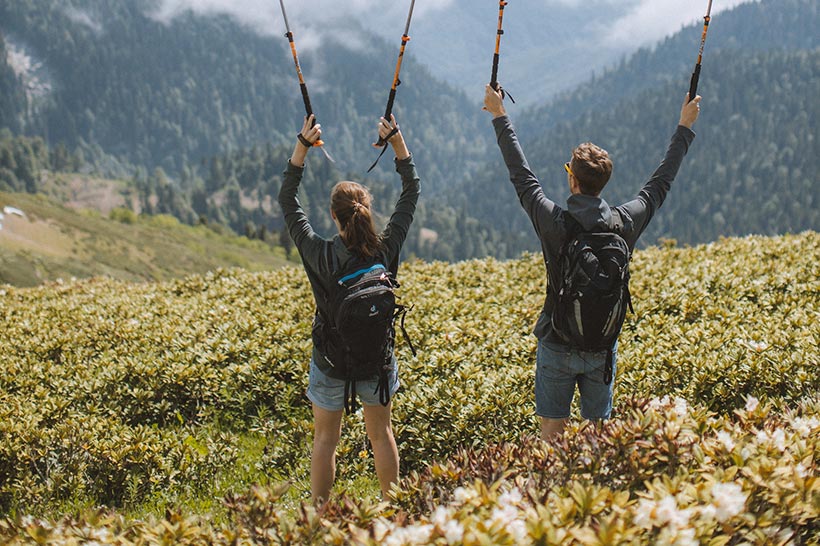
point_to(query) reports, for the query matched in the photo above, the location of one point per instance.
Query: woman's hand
(309, 134)
(396, 140)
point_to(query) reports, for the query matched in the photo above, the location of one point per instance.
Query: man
(559, 367)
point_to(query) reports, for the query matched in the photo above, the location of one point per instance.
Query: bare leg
(551, 427)
(385, 452)
(328, 430)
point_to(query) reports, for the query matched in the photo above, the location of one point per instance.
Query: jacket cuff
(294, 169)
(402, 165)
(500, 123)
(687, 133)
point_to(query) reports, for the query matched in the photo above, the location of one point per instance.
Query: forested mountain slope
(217, 106)
(751, 169)
(154, 94)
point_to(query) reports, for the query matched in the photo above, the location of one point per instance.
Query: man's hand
(494, 101)
(397, 140)
(689, 111)
(310, 133)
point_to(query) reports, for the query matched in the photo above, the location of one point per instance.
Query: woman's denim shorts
(328, 393)
(559, 369)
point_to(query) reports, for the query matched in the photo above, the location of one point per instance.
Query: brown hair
(592, 168)
(350, 202)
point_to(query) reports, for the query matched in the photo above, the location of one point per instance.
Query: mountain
(753, 166)
(130, 95)
(120, 83)
(198, 113)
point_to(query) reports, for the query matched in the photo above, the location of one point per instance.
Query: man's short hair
(592, 168)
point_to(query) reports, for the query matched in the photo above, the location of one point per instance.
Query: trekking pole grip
(693, 83)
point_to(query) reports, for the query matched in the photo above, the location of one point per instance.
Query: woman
(350, 207)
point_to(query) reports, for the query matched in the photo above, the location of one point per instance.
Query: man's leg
(554, 387)
(385, 452)
(327, 431)
(552, 427)
(596, 396)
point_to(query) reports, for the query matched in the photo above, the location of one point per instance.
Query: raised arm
(397, 228)
(641, 209)
(542, 211)
(309, 244)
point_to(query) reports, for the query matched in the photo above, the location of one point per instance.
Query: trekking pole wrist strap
(305, 142)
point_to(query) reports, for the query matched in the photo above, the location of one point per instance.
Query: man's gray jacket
(592, 213)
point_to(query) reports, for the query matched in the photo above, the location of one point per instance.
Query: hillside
(159, 400)
(205, 136)
(51, 242)
(121, 84)
(753, 166)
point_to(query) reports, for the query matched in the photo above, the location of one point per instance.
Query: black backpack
(359, 333)
(594, 292)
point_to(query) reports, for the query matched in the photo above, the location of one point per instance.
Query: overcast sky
(650, 20)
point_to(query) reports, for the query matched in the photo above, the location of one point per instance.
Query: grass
(55, 242)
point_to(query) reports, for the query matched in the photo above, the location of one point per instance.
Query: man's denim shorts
(559, 369)
(329, 393)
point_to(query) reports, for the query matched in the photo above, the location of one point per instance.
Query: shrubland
(174, 412)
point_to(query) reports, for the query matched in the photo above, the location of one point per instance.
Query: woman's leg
(327, 431)
(385, 452)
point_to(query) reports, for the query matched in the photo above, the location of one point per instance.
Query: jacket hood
(590, 212)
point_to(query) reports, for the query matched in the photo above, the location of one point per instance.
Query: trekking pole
(693, 83)
(382, 142)
(494, 77)
(305, 97)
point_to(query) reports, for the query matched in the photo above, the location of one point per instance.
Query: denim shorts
(559, 369)
(329, 393)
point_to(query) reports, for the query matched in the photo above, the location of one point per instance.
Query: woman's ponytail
(350, 202)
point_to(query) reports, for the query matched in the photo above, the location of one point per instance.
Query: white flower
(779, 439)
(805, 426)
(440, 517)
(666, 512)
(728, 500)
(726, 439)
(518, 531)
(746, 452)
(643, 513)
(665, 508)
(685, 537)
(419, 534)
(659, 403)
(380, 529)
(751, 403)
(453, 532)
(681, 407)
(462, 495)
(708, 512)
(801, 470)
(513, 496)
(412, 534)
(502, 515)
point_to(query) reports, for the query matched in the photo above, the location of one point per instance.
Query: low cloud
(648, 21)
(84, 18)
(266, 17)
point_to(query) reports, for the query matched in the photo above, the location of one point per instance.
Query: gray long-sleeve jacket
(313, 248)
(591, 212)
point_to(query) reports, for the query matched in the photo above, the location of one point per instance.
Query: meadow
(174, 412)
